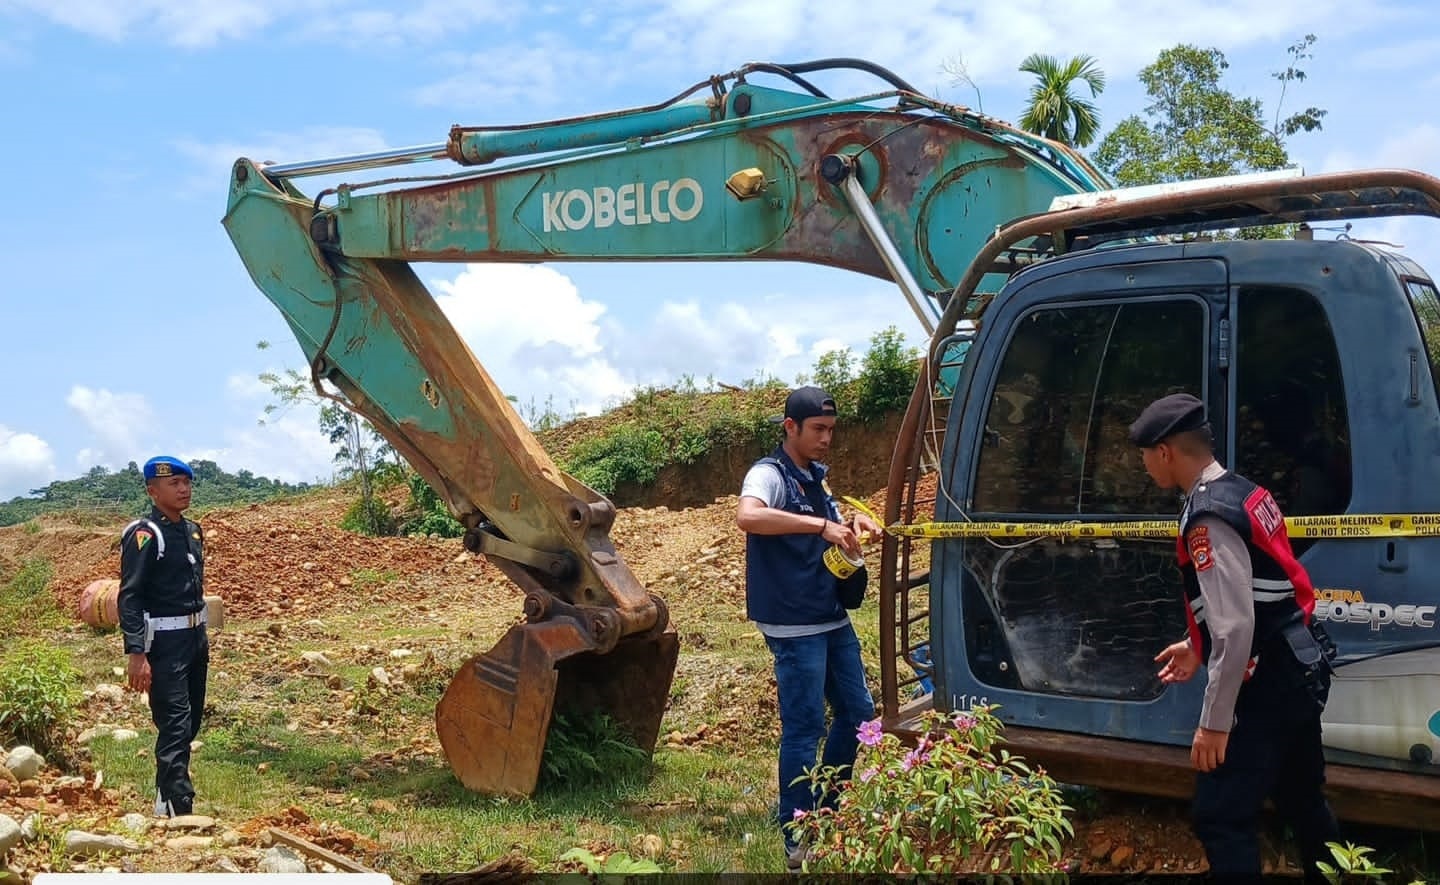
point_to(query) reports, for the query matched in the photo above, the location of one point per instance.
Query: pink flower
(964, 721)
(870, 733)
(800, 814)
(868, 773)
(914, 758)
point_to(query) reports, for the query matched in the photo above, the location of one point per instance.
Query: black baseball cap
(806, 402)
(1167, 416)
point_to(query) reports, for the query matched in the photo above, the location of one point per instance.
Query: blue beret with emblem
(165, 465)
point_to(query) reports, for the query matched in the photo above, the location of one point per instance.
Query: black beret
(1165, 417)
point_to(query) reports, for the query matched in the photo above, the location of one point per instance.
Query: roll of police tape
(1350, 525)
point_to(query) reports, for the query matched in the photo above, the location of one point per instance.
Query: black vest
(1282, 589)
(786, 583)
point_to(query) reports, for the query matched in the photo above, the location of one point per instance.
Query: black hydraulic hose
(782, 71)
(859, 64)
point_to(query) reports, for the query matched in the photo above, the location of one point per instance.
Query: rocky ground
(284, 570)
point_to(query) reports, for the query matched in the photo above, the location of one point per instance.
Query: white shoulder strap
(154, 530)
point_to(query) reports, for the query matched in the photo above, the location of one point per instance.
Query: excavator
(1027, 564)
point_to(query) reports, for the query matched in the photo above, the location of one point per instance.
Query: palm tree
(1054, 111)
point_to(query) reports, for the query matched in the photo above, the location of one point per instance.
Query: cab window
(1427, 312)
(1071, 381)
(1292, 431)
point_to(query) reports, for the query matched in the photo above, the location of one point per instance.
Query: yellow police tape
(1350, 525)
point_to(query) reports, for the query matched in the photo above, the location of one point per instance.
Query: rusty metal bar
(1166, 206)
(895, 552)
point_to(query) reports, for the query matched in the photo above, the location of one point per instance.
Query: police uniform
(162, 614)
(1248, 605)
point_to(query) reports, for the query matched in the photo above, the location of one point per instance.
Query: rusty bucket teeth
(496, 713)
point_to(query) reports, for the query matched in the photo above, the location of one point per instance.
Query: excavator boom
(894, 185)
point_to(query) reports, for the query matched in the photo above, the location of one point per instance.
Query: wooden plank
(1363, 795)
(339, 861)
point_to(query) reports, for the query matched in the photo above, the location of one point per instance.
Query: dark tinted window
(1427, 312)
(1070, 383)
(1292, 432)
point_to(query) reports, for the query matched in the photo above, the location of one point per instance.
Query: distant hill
(123, 492)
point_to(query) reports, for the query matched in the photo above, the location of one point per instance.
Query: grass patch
(26, 604)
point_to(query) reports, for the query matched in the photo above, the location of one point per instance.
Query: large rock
(88, 844)
(136, 823)
(9, 834)
(279, 859)
(109, 692)
(190, 822)
(121, 735)
(24, 763)
(94, 732)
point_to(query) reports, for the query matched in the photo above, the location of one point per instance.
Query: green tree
(1196, 128)
(1055, 110)
(358, 447)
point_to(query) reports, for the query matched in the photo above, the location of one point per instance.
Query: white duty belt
(178, 622)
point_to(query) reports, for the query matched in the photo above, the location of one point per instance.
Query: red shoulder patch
(1198, 541)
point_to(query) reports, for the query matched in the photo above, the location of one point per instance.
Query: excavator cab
(1317, 361)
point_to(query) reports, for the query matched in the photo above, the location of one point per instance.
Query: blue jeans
(810, 670)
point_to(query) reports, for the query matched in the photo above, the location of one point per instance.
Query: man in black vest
(790, 519)
(162, 616)
(1248, 608)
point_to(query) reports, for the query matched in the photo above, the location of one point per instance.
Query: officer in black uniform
(162, 616)
(1249, 607)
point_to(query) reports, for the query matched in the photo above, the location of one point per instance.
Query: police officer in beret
(162, 617)
(1249, 607)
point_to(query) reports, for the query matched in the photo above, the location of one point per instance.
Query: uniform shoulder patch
(1198, 540)
(142, 537)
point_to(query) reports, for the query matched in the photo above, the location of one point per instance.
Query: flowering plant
(951, 802)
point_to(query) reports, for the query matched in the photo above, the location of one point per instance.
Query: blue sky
(129, 324)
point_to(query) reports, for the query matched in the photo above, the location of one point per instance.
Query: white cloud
(539, 71)
(534, 334)
(290, 448)
(26, 462)
(116, 421)
(424, 21)
(550, 347)
(198, 25)
(211, 160)
(993, 37)
(188, 25)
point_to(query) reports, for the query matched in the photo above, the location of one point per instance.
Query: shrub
(952, 803)
(39, 688)
(370, 516)
(627, 453)
(430, 515)
(586, 749)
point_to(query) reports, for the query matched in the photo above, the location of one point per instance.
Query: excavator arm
(894, 185)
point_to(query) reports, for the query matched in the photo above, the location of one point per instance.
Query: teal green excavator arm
(894, 185)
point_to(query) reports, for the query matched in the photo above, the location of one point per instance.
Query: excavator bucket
(494, 718)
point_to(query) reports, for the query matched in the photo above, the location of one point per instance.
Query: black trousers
(1274, 752)
(179, 664)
